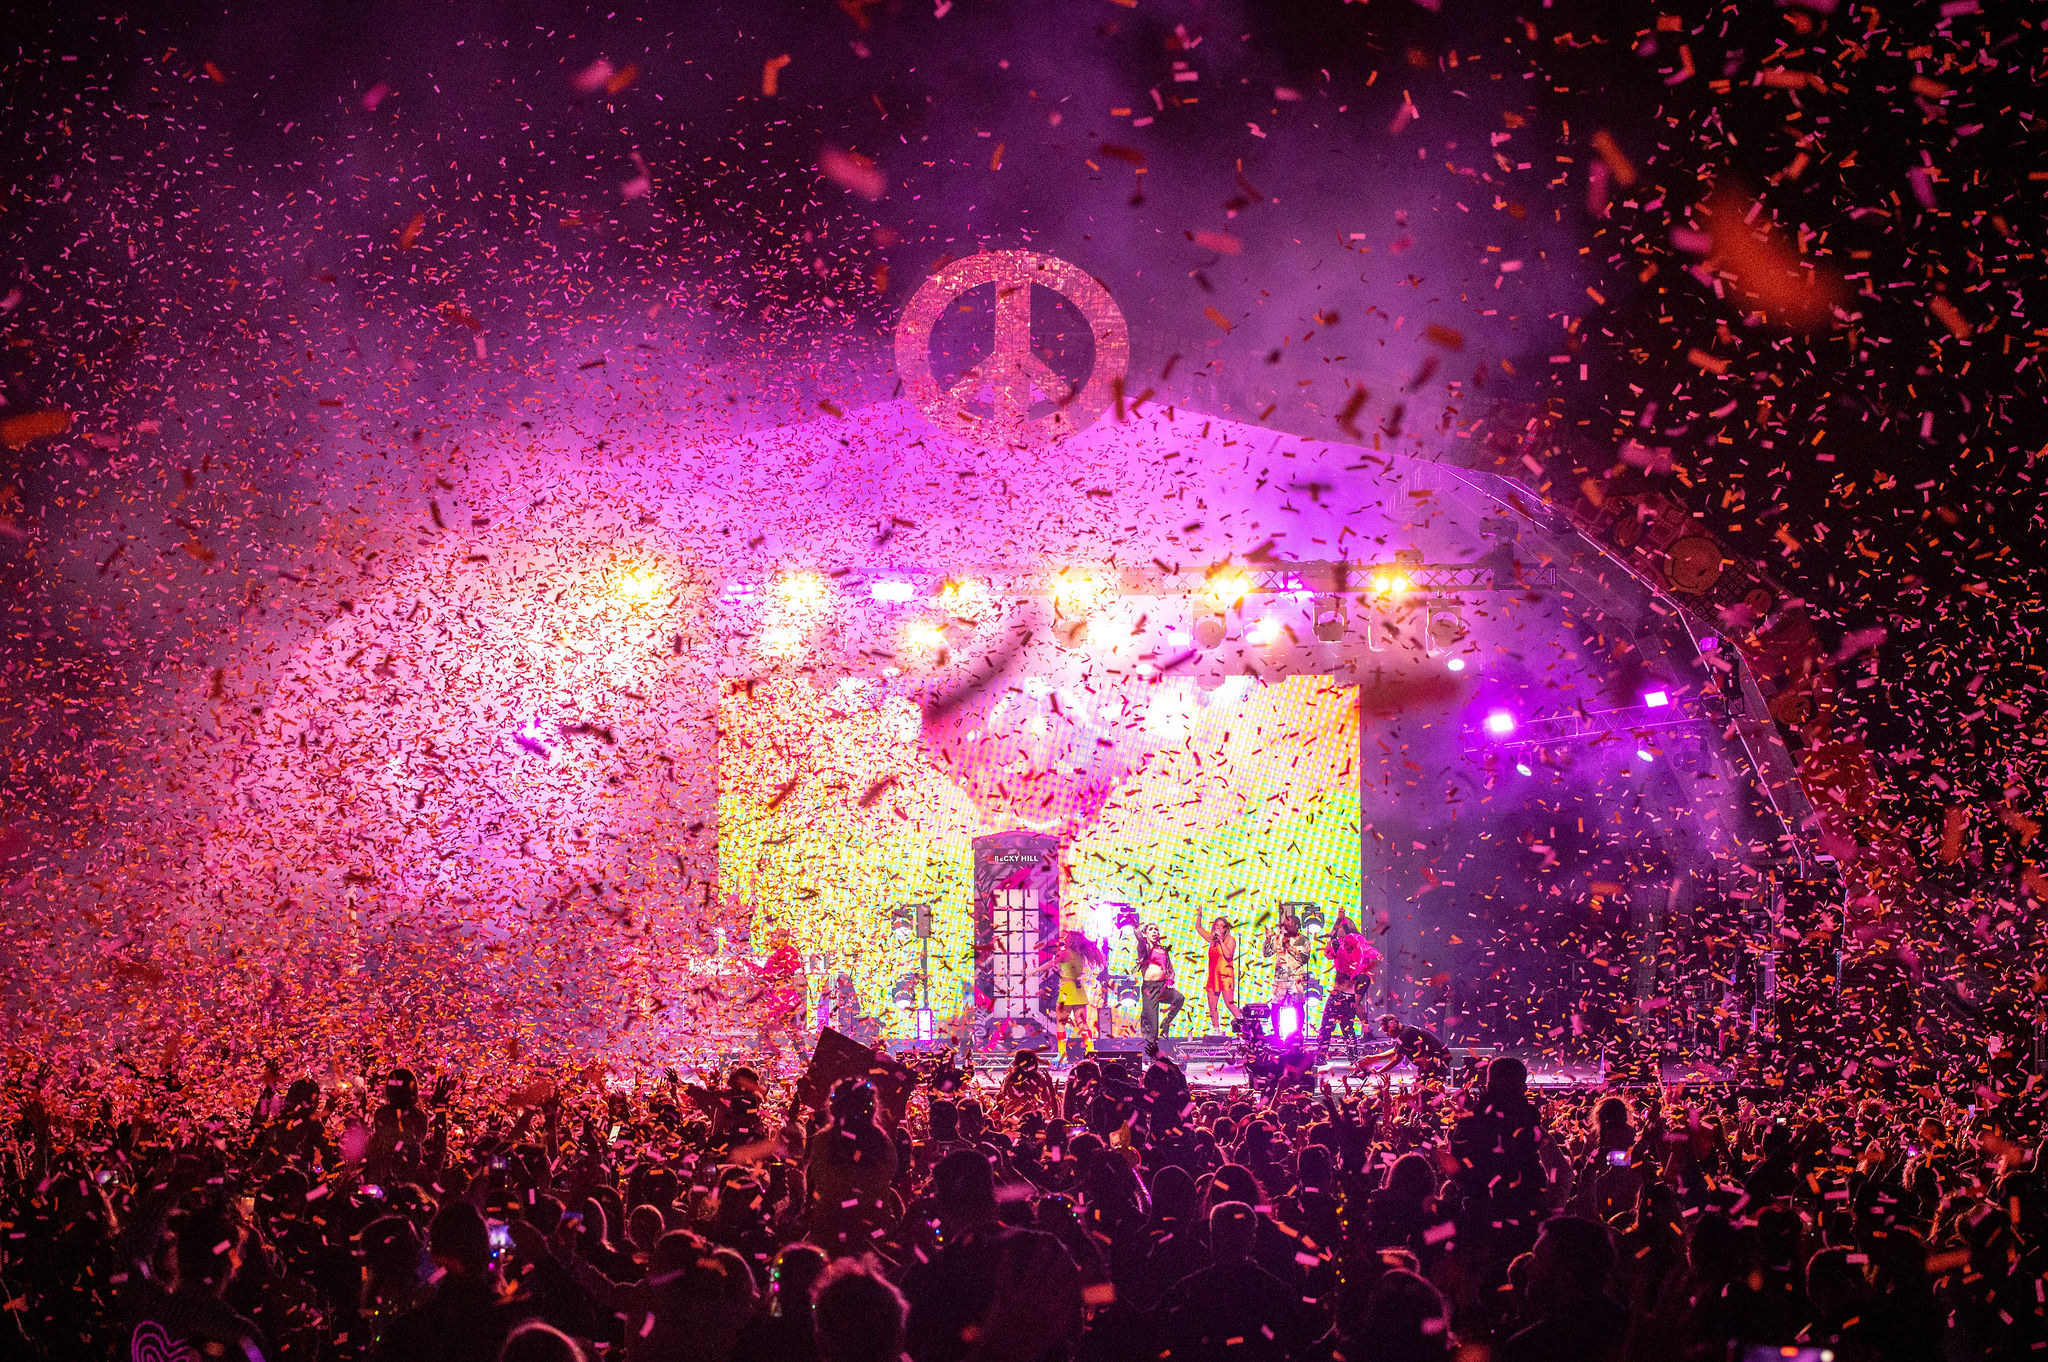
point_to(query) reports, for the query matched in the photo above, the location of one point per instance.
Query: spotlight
(924, 1023)
(1266, 632)
(1210, 630)
(780, 640)
(1287, 1023)
(903, 923)
(1643, 753)
(1444, 627)
(1075, 592)
(638, 585)
(1456, 664)
(1391, 583)
(1656, 699)
(1330, 618)
(1178, 638)
(1709, 643)
(904, 994)
(1522, 768)
(893, 590)
(1227, 587)
(924, 636)
(1500, 723)
(802, 589)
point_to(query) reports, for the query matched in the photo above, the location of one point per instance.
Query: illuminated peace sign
(1026, 402)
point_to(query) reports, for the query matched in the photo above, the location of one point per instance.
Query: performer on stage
(1352, 959)
(1222, 982)
(1288, 948)
(780, 994)
(1430, 1056)
(1155, 982)
(1078, 961)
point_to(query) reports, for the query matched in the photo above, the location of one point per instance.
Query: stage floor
(1210, 1073)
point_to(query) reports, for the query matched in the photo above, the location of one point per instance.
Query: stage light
(1178, 638)
(1227, 587)
(924, 1023)
(1522, 767)
(780, 640)
(963, 596)
(924, 636)
(1330, 618)
(1075, 592)
(1391, 583)
(1644, 754)
(904, 994)
(893, 590)
(1456, 664)
(1266, 632)
(903, 923)
(1287, 1023)
(1500, 723)
(1656, 699)
(1709, 643)
(1211, 629)
(803, 590)
(639, 584)
(1444, 627)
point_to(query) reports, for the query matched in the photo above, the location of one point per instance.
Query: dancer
(1352, 959)
(780, 995)
(1288, 948)
(1222, 982)
(1078, 960)
(1155, 983)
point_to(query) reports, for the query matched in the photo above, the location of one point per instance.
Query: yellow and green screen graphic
(839, 804)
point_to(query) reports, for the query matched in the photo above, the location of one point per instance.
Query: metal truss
(1580, 726)
(1499, 571)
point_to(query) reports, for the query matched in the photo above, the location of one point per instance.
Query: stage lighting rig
(1443, 626)
(1331, 618)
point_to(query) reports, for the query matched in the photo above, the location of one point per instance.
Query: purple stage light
(1500, 723)
(1709, 643)
(1286, 1022)
(1656, 699)
(1523, 768)
(1644, 753)
(893, 591)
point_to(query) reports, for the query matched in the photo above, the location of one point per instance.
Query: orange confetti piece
(1217, 317)
(771, 75)
(1618, 164)
(17, 431)
(1220, 242)
(1947, 314)
(409, 235)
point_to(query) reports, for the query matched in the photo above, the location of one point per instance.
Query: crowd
(1112, 1213)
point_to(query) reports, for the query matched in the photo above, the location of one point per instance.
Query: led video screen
(840, 804)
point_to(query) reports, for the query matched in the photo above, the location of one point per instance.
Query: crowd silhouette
(1112, 1213)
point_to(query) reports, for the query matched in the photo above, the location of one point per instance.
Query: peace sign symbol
(1027, 401)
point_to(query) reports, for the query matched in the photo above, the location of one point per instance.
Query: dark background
(208, 226)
